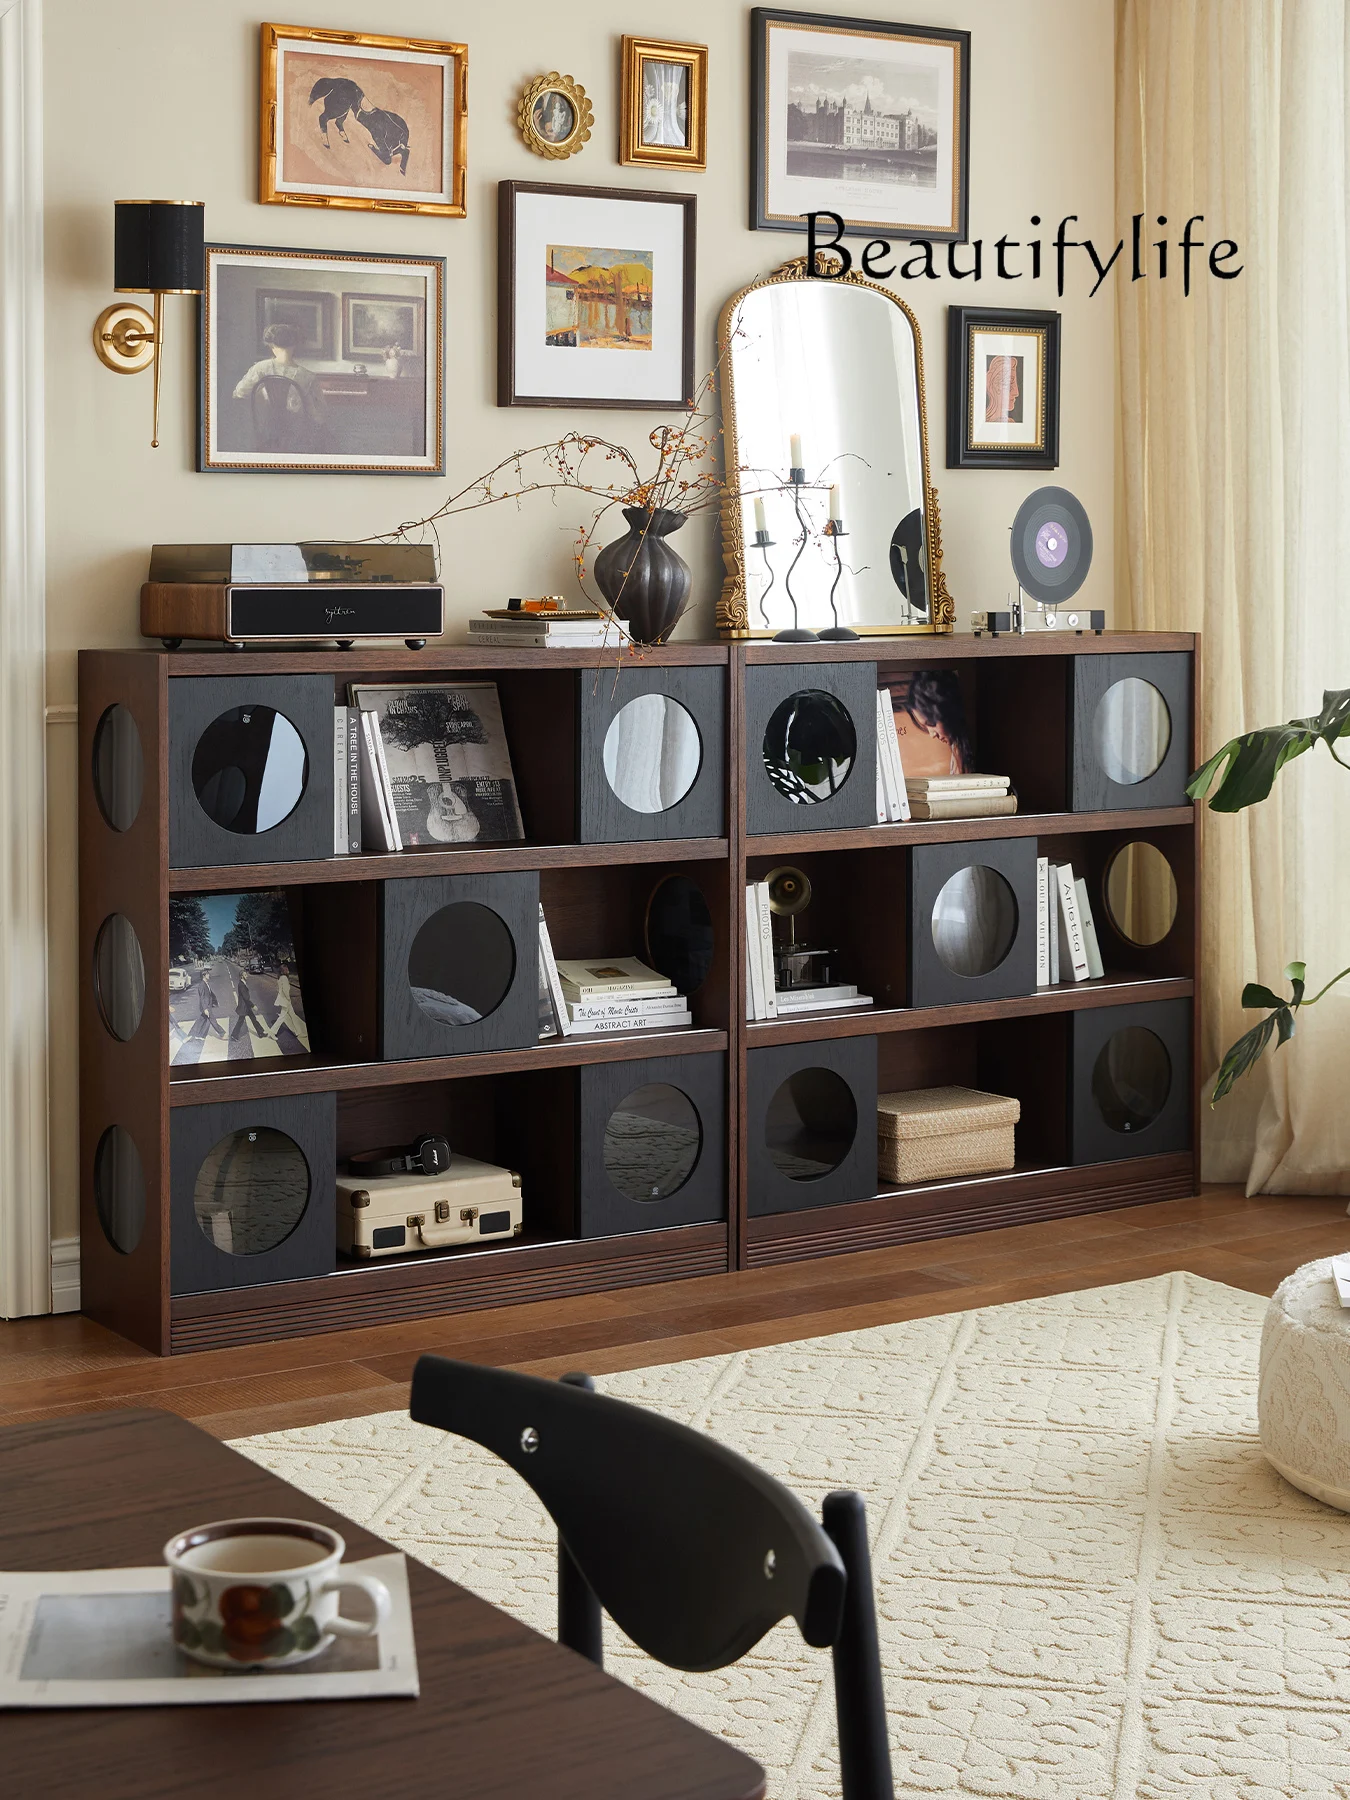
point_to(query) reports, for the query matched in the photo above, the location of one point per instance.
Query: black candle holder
(837, 633)
(798, 633)
(764, 544)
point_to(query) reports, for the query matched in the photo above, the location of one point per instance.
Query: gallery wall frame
(791, 175)
(1002, 388)
(356, 80)
(663, 104)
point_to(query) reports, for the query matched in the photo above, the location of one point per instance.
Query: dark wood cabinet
(155, 1261)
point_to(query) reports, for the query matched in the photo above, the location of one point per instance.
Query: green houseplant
(1237, 776)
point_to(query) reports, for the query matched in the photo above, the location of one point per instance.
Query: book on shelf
(1089, 924)
(346, 781)
(1072, 950)
(963, 806)
(760, 1002)
(892, 800)
(234, 984)
(1042, 921)
(932, 785)
(657, 1006)
(449, 764)
(931, 730)
(547, 640)
(843, 996)
(764, 917)
(377, 829)
(548, 969)
(678, 1021)
(605, 977)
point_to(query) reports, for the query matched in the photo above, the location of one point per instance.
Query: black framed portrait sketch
(311, 361)
(1002, 388)
(860, 117)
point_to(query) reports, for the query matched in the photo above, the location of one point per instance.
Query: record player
(1051, 556)
(313, 593)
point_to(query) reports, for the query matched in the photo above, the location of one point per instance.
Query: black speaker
(811, 1121)
(652, 754)
(810, 746)
(458, 964)
(251, 1192)
(250, 769)
(651, 1144)
(1130, 1081)
(972, 921)
(1129, 730)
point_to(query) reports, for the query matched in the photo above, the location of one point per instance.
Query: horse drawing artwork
(344, 99)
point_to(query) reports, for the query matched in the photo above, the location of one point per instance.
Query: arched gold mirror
(825, 427)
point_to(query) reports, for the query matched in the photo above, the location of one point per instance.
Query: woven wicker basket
(933, 1134)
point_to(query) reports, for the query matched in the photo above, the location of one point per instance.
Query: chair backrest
(276, 423)
(692, 1550)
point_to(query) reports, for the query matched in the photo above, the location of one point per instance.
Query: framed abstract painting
(1002, 388)
(595, 297)
(357, 119)
(859, 117)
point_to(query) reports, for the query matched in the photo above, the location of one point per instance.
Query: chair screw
(529, 1441)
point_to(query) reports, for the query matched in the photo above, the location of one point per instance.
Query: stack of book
(1066, 934)
(892, 798)
(764, 999)
(573, 629)
(960, 797)
(615, 993)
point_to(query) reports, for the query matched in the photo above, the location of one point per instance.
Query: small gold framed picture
(554, 115)
(664, 111)
(358, 119)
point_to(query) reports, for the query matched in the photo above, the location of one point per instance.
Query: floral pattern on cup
(255, 1623)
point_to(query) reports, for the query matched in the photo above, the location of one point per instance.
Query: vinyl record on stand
(1051, 545)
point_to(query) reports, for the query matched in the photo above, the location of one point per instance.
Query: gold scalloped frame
(733, 615)
(575, 95)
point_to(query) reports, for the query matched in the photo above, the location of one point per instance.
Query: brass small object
(124, 338)
(442, 1211)
(415, 1219)
(360, 1198)
(554, 115)
(467, 1214)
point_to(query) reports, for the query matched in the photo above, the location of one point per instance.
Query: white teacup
(263, 1593)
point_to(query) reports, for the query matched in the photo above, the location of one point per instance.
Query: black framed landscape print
(1002, 388)
(321, 361)
(860, 117)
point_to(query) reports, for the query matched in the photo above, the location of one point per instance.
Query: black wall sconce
(159, 249)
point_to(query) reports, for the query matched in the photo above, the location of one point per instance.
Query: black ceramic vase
(644, 580)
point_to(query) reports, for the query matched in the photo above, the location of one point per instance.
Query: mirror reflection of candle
(796, 443)
(761, 523)
(836, 505)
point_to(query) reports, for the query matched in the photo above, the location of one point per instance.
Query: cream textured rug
(1090, 1585)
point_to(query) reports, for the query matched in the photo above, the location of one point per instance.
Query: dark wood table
(503, 1712)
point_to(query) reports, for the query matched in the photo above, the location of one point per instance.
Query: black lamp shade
(158, 246)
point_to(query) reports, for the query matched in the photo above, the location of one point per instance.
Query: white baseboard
(65, 1274)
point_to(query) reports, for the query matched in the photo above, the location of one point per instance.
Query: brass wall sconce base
(124, 338)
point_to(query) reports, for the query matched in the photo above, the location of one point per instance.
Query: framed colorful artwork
(860, 117)
(357, 119)
(284, 388)
(1002, 388)
(663, 119)
(595, 297)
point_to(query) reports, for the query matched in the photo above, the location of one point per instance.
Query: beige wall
(168, 108)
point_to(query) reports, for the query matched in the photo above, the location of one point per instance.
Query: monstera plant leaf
(1278, 1023)
(1247, 766)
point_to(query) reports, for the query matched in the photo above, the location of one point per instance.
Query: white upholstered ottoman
(1304, 1399)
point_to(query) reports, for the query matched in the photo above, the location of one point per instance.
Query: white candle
(836, 506)
(796, 442)
(760, 523)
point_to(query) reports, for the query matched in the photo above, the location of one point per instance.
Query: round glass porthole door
(119, 768)
(974, 921)
(1131, 730)
(652, 753)
(249, 769)
(1141, 893)
(652, 1142)
(119, 977)
(461, 964)
(811, 1124)
(680, 933)
(119, 1189)
(251, 1191)
(1131, 1079)
(809, 748)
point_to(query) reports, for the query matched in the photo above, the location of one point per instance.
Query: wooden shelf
(391, 865)
(926, 650)
(347, 665)
(1073, 996)
(956, 831)
(192, 1086)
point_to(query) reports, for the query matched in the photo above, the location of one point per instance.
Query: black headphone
(424, 1156)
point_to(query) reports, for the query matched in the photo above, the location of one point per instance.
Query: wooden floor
(67, 1365)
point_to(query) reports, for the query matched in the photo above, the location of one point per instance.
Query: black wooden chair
(691, 1549)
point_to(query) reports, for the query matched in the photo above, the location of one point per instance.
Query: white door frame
(25, 1228)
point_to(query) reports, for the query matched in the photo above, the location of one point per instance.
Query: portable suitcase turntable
(319, 593)
(385, 1215)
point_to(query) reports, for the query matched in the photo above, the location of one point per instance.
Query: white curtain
(1234, 510)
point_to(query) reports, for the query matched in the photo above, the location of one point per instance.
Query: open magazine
(103, 1637)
